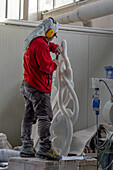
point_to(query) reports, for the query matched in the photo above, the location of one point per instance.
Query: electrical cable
(108, 165)
(105, 150)
(102, 146)
(97, 140)
(96, 105)
(111, 134)
(107, 87)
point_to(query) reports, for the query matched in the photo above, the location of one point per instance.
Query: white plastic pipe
(87, 12)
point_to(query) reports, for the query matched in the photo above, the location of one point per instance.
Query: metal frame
(6, 9)
(25, 9)
(56, 0)
(19, 9)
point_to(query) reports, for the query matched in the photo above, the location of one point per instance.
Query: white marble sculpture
(65, 118)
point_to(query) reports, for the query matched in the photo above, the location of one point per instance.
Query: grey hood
(41, 30)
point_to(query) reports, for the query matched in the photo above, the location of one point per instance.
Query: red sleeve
(53, 46)
(44, 60)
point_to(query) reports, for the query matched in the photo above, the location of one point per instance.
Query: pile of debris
(6, 152)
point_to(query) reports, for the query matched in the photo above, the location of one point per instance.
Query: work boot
(27, 150)
(49, 154)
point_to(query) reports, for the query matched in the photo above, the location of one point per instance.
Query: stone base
(19, 163)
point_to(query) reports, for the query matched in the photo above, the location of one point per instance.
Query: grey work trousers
(37, 107)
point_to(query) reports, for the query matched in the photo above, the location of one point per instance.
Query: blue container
(109, 72)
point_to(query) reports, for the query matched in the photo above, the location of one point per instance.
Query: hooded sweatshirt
(38, 64)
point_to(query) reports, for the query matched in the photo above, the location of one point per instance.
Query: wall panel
(100, 55)
(11, 101)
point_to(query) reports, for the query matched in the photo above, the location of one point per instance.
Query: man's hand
(56, 61)
(58, 50)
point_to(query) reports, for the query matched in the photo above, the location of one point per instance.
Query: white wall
(88, 52)
(11, 101)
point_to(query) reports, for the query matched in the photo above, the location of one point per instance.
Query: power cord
(102, 144)
(108, 165)
(107, 87)
(111, 134)
(105, 150)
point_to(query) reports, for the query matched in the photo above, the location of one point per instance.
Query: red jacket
(38, 64)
